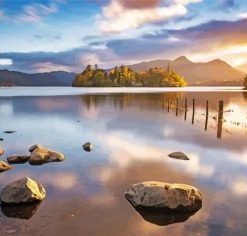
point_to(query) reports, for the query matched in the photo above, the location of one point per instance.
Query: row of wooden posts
(185, 108)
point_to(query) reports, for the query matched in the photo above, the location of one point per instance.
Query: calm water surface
(132, 135)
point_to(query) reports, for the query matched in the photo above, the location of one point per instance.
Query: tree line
(124, 76)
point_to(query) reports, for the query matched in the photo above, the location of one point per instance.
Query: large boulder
(4, 166)
(22, 191)
(1, 151)
(17, 159)
(158, 195)
(40, 155)
(179, 155)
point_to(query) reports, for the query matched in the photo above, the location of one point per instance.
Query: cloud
(133, 4)
(5, 62)
(31, 13)
(224, 39)
(1, 14)
(239, 186)
(217, 37)
(227, 3)
(242, 15)
(49, 66)
(122, 15)
(71, 60)
(35, 12)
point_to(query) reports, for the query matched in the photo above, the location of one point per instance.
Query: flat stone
(158, 195)
(4, 166)
(88, 147)
(17, 159)
(41, 155)
(22, 191)
(178, 155)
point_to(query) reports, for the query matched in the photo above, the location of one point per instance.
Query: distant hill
(55, 78)
(198, 73)
(243, 68)
(216, 72)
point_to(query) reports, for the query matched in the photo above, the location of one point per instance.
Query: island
(124, 76)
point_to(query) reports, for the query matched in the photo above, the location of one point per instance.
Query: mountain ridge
(54, 78)
(197, 72)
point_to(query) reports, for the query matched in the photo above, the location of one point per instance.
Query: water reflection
(132, 135)
(25, 211)
(163, 218)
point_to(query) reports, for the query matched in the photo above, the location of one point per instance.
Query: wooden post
(177, 107)
(185, 109)
(193, 111)
(168, 105)
(163, 104)
(206, 121)
(220, 119)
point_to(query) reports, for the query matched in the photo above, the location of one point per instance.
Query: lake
(133, 131)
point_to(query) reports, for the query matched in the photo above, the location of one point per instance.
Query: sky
(46, 35)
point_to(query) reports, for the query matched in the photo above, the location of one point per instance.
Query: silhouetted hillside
(196, 73)
(56, 78)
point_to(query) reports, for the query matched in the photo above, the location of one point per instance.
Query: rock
(1, 151)
(25, 211)
(4, 166)
(22, 191)
(178, 155)
(34, 146)
(157, 195)
(41, 155)
(1, 139)
(17, 159)
(9, 131)
(88, 147)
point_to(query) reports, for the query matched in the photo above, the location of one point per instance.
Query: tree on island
(124, 76)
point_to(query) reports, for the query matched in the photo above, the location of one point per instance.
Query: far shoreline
(20, 91)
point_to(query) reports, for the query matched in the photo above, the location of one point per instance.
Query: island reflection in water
(132, 136)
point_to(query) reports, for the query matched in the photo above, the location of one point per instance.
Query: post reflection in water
(132, 136)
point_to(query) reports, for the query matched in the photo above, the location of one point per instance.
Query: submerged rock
(41, 155)
(1, 151)
(178, 155)
(4, 166)
(17, 159)
(9, 131)
(157, 195)
(22, 191)
(88, 147)
(25, 211)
